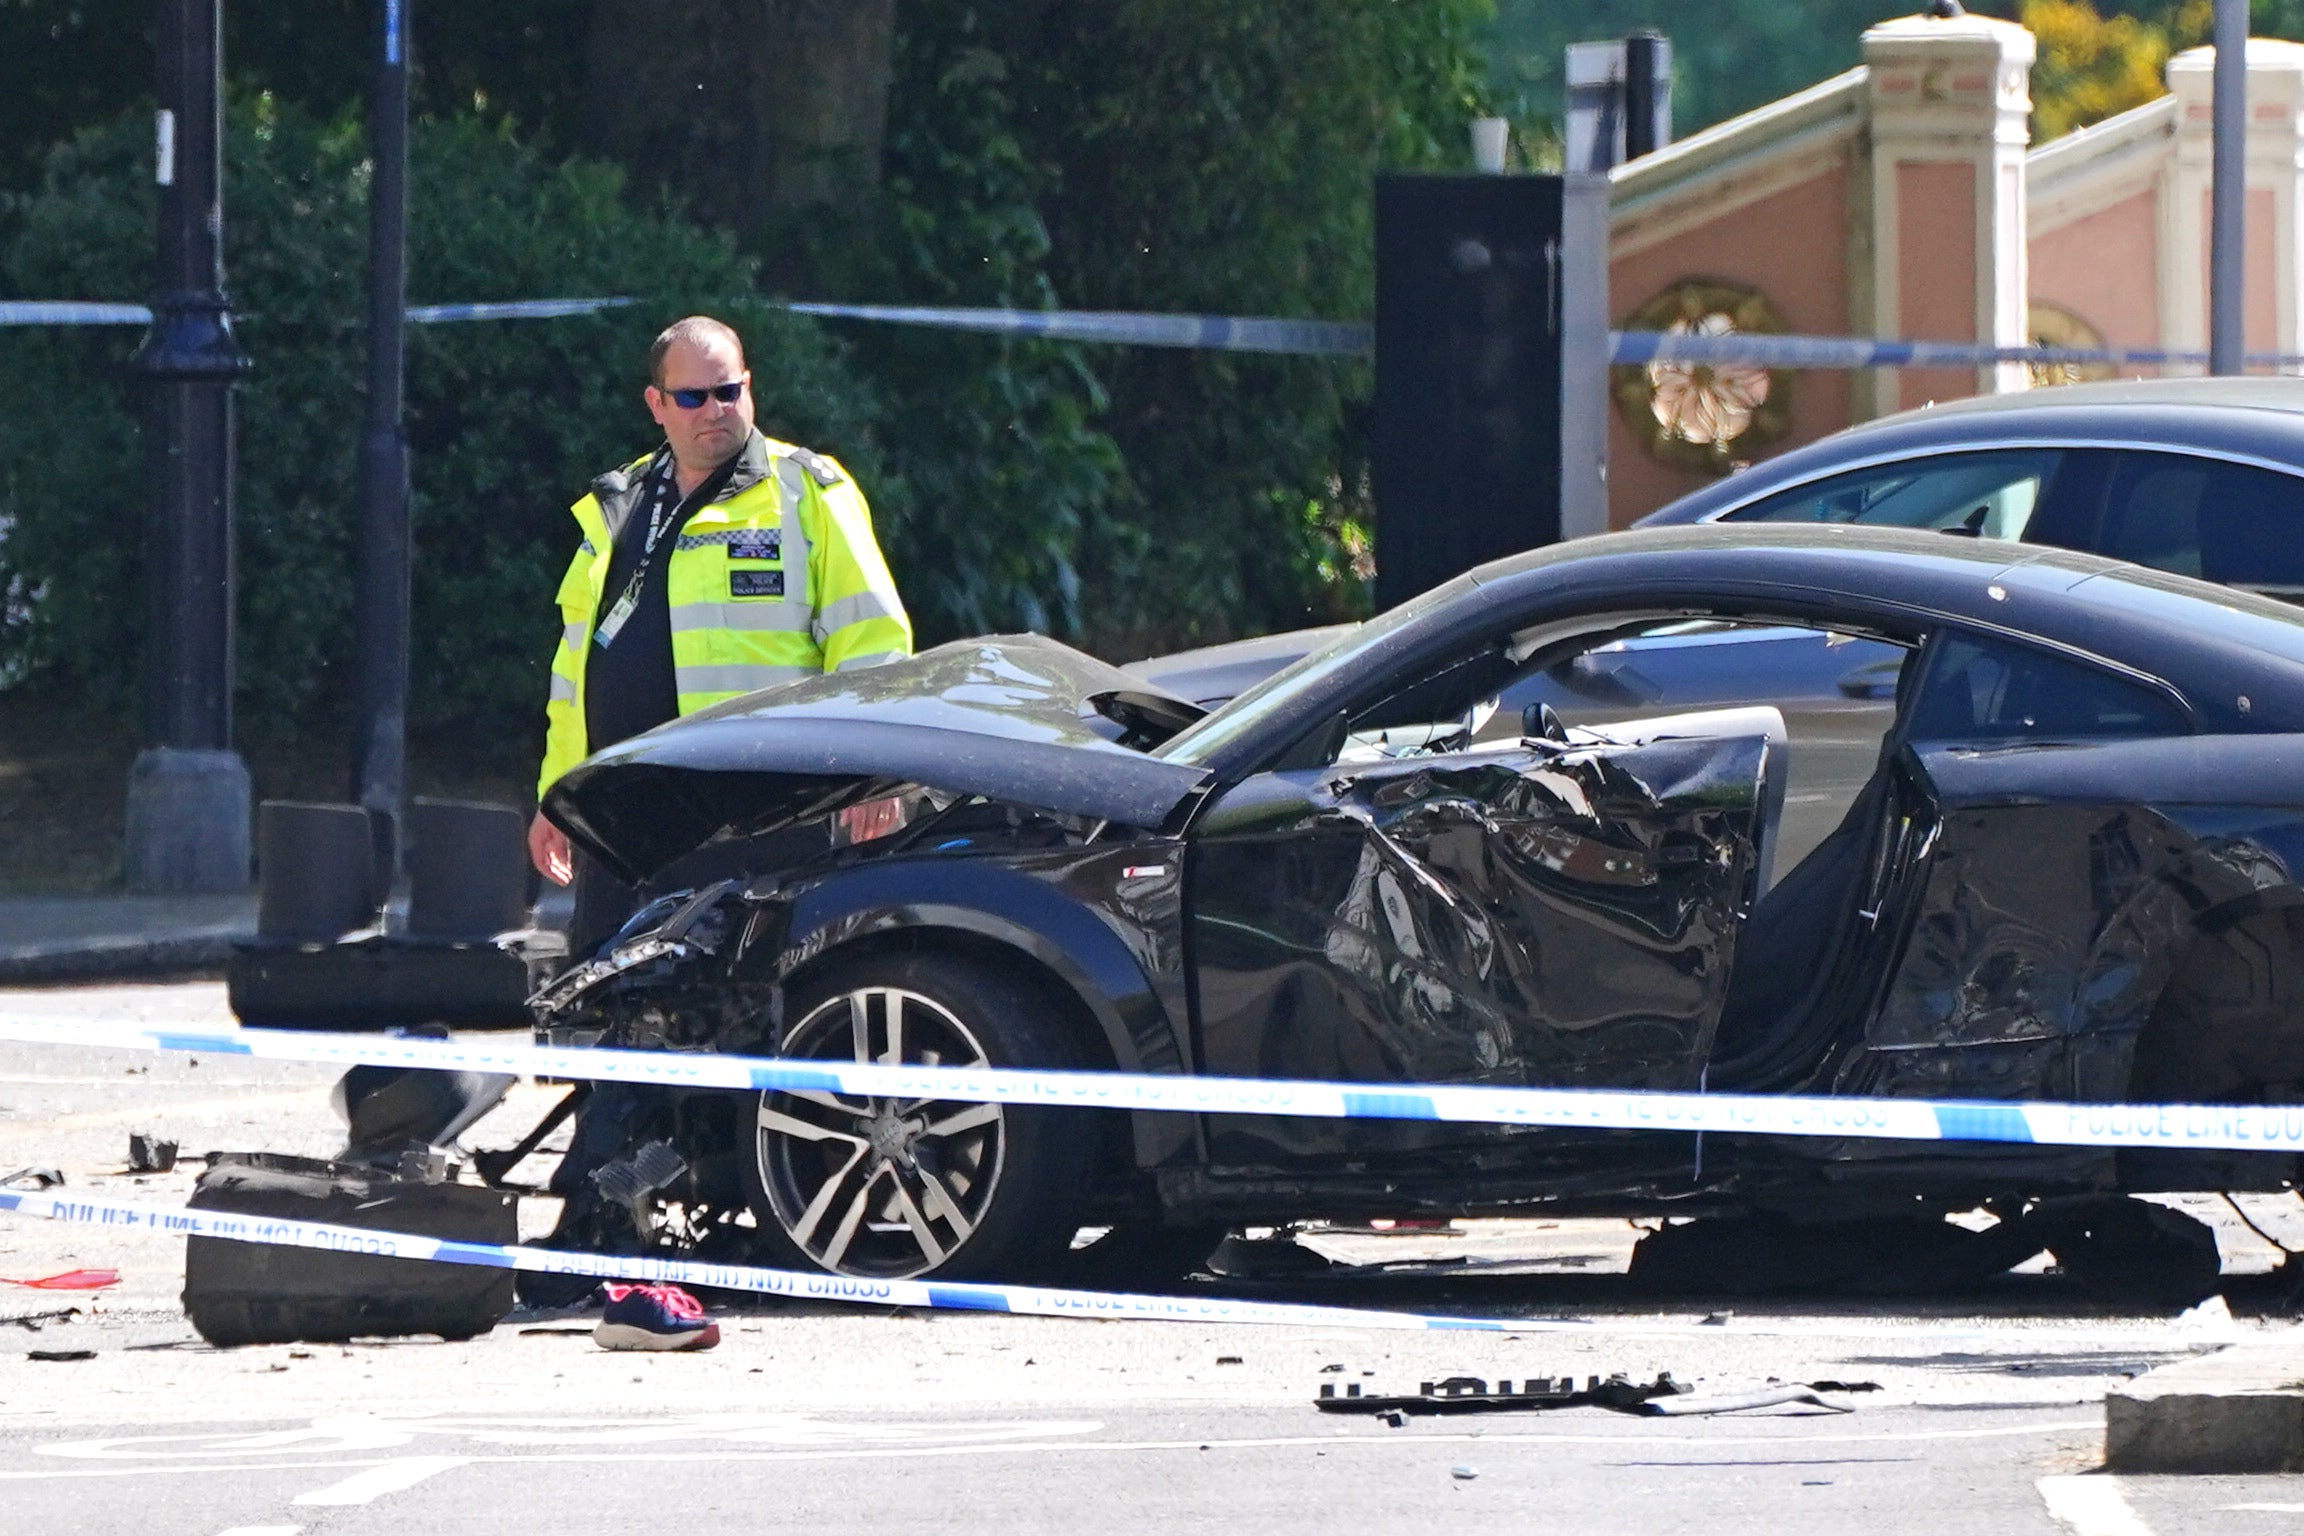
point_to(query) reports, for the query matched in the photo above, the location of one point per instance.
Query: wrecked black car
(2023, 824)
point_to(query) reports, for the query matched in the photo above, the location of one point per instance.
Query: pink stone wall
(2105, 268)
(1935, 271)
(2260, 306)
(1793, 247)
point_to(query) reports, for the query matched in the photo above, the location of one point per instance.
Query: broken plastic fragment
(70, 1280)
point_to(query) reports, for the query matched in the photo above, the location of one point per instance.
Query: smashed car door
(1544, 913)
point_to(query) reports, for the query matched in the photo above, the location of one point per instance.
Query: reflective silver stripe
(790, 477)
(855, 610)
(777, 615)
(574, 635)
(563, 689)
(876, 659)
(722, 536)
(736, 679)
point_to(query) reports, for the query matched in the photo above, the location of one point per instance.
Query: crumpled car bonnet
(1017, 718)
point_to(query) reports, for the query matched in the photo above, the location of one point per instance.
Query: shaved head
(693, 362)
(698, 331)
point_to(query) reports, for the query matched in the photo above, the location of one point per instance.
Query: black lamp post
(382, 574)
(188, 791)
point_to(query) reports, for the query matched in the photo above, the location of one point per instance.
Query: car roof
(2204, 638)
(2229, 393)
(2251, 419)
(2236, 658)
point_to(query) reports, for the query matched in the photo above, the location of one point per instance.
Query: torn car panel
(1019, 719)
(1541, 915)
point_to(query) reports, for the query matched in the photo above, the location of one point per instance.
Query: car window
(1990, 690)
(1989, 495)
(2233, 523)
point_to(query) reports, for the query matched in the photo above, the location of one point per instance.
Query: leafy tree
(76, 64)
(1163, 155)
(1730, 58)
(2091, 66)
(507, 421)
(1219, 157)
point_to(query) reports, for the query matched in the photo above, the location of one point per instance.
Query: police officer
(723, 562)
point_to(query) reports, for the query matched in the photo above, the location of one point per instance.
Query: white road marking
(389, 1477)
(2270, 1509)
(1338, 1437)
(261, 1530)
(2091, 1505)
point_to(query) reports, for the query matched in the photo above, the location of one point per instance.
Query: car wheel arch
(1106, 1042)
(2243, 959)
(1102, 1038)
(2226, 1027)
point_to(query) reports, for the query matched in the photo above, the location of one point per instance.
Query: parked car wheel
(890, 1189)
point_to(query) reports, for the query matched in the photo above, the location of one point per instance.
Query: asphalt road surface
(1985, 1414)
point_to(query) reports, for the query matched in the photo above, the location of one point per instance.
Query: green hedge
(507, 420)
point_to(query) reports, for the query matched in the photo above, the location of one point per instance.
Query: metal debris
(32, 1178)
(1662, 1397)
(1738, 1402)
(150, 1154)
(633, 1181)
(1472, 1394)
(33, 1322)
(60, 1354)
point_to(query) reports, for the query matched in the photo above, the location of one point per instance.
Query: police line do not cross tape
(1283, 336)
(940, 1295)
(949, 1295)
(2204, 1127)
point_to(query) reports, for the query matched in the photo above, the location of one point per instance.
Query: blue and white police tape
(1299, 338)
(2227, 1127)
(939, 1295)
(71, 312)
(1757, 349)
(1302, 338)
(954, 1295)
(518, 309)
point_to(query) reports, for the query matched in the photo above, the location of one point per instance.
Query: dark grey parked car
(2202, 477)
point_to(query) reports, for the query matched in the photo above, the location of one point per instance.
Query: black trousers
(603, 902)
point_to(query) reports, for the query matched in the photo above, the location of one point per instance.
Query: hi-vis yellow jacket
(778, 578)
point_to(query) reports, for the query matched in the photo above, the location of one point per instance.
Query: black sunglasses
(691, 399)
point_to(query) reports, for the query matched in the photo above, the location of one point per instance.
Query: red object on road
(70, 1280)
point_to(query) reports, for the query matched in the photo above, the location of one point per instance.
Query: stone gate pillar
(2275, 156)
(1950, 103)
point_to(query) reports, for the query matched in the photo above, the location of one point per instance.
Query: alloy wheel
(880, 1188)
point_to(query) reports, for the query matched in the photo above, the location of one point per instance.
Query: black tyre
(2129, 1252)
(890, 1189)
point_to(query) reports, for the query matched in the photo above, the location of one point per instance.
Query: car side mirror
(1540, 722)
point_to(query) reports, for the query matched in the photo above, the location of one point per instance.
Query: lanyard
(663, 510)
